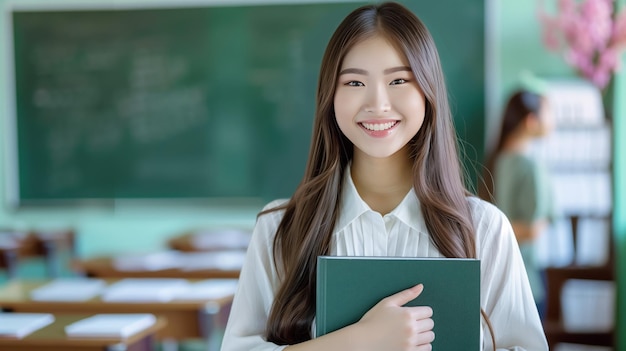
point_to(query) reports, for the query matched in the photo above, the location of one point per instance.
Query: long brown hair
(521, 103)
(309, 218)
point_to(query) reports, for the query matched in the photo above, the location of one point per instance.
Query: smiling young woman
(383, 178)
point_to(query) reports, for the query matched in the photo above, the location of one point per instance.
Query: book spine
(320, 313)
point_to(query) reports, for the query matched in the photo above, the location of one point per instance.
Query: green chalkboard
(194, 102)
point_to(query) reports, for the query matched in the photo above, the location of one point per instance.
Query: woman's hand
(390, 326)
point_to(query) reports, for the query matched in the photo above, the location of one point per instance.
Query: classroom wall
(519, 49)
(127, 227)
(123, 227)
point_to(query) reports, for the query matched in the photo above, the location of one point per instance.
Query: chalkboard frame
(12, 175)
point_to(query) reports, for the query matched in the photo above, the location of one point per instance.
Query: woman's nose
(377, 100)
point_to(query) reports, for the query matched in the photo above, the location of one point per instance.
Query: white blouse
(360, 231)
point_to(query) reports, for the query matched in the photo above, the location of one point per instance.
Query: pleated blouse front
(360, 231)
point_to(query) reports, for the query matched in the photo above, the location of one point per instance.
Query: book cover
(347, 287)
(20, 324)
(115, 325)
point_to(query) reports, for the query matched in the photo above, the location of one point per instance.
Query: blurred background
(136, 134)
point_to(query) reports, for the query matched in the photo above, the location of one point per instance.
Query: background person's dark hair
(520, 104)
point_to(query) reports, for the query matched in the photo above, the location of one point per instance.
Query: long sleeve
(505, 292)
(258, 283)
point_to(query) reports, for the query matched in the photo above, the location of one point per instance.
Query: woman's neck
(517, 143)
(382, 182)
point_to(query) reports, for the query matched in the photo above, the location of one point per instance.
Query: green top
(524, 193)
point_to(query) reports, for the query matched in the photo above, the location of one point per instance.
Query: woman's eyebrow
(353, 70)
(364, 72)
(397, 69)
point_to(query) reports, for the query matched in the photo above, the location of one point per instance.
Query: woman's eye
(398, 81)
(354, 83)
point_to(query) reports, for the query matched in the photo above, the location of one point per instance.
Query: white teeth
(378, 126)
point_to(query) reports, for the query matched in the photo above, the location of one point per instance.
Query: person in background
(383, 178)
(517, 183)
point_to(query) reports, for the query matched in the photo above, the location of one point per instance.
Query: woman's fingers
(420, 312)
(405, 296)
(423, 332)
(425, 338)
(427, 347)
(424, 324)
(392, 326)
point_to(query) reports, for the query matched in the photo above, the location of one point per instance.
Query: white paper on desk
(144, 290)
(20, 324)
(69, 289)
(208, 289)
(219, 260)
(155, 261)
(221, 239)
(120, 325)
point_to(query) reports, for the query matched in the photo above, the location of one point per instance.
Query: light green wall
(517, 48)
(521, 48)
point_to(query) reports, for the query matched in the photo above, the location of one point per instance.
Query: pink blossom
(550, 37)
(567, 6)
(596, 19)
(609, 58)
(592, 39)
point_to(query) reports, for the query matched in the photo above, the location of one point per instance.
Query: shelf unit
(578, 249)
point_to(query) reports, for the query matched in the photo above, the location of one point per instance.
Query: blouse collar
(353, 206)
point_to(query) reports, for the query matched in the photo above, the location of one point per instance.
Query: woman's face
(541, 123)
(378, 104)
(546, 117)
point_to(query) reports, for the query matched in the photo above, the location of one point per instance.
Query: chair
(35, 243)
(554, 326)
(9, 249)
(48, 244)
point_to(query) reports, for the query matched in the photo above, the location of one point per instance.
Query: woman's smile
(380, 128)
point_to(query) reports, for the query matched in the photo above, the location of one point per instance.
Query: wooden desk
(185, 319)
(104, 267)
(53, 338)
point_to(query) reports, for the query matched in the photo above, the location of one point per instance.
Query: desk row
(201, 316)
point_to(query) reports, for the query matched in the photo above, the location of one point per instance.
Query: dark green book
(347, 287)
